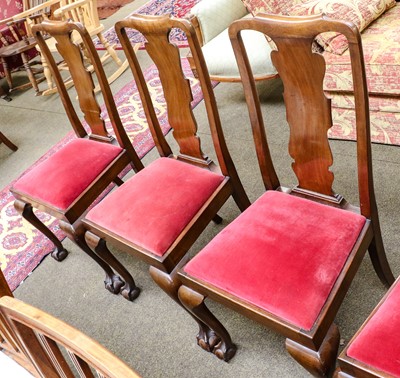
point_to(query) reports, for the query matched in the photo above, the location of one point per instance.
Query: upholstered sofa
(381, 46)
(379, 22)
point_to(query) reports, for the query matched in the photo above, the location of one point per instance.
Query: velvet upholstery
(60, 179)
(159, 202)
(382, 332)
(283, 255)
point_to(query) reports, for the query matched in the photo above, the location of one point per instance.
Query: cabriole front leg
(170, 283)
(26, 210)
(319, 363)
(215, 338)
(113, 282)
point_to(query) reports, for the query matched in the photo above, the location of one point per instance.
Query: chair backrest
(83, 11)
(8, 342)
(308, 110)
(48, 341)
(176, 88)
(73, 56)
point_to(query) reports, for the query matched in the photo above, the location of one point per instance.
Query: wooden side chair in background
(37, 340)
(85, 12)
(18, 47)
(288, 260)
(68, 182)
(22, 47)
(158, 214)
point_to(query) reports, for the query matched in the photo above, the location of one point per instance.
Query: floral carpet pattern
(21, 246)
(177, 8)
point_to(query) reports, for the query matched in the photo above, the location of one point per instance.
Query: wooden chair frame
(177, 93)
(22, 46)
(39, 335)
(70, 217)
(8, 342)
(315, 349)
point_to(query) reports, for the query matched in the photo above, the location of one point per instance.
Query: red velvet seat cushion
(154, 206)
(60, 179)
(283, 254)
(378, 343)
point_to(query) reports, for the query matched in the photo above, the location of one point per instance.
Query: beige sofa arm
(214, 16)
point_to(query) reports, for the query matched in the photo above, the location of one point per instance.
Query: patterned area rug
(21, 246)
(106, 8)
(177, 8)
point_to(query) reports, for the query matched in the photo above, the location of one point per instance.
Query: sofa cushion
(215, 16)
(360, 12)
(382, 333)
(381, 46)
(220, 58)
(384, 119)
(270, 6)
(283, 254)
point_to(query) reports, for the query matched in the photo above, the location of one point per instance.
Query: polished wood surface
(308, 115)
(8, 343)
(70, 218)
(40, 336)
(178, 96)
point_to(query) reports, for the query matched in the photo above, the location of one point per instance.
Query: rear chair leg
(170, 283)
(113, 282)
(379, 260)
(128, 289)
(217, 219)
(239, 194)
(319, 363)
(26, 210)
(194, 303)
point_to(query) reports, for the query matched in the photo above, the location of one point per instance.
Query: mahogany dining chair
(136, 218)
(69, 181)
(289, 259)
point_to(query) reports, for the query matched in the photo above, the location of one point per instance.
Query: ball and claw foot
(207, 340)
(211, 342)
(114, 284)
(59, 254)
(130, 293)
(224, 352)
